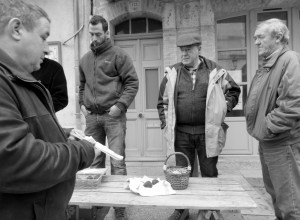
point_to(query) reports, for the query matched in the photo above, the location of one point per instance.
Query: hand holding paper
(99, 146)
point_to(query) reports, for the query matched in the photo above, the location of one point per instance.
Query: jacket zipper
(94, 76)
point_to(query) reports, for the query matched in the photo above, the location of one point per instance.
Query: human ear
(279, 37)
(14, 26)
(107, 33)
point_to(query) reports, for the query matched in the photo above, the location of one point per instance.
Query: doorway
(144, 138)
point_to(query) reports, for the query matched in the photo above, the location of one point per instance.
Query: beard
(97, 43)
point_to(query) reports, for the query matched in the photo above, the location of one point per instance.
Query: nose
(94, 38)
(256, 42)
(183, 52)
(46, 49)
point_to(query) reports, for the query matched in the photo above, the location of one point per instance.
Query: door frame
(139, 38)
(249, 150)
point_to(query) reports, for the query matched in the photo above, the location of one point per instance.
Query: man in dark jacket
(272, 114)
(108, 85)
(193, 83)
(52, 76)
(38, 164)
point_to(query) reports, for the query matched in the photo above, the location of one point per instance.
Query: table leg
(184, 214)
(101, 213)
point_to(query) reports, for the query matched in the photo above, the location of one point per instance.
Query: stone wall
(225, 7)
(178, 17)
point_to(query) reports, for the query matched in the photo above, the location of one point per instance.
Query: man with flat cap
(194, 97)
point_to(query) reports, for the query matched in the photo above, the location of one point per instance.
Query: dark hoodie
(107, 78)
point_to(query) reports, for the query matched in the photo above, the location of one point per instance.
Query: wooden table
(201, 194)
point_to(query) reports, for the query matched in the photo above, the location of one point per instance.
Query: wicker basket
(177, 176)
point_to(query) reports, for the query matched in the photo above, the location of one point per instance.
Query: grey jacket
(272, 109)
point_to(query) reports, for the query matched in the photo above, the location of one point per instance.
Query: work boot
(178, 213)
(120, 213)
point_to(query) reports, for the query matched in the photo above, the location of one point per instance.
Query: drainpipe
(76, 58)
(76, 67)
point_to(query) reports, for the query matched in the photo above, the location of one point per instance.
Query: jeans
(187, 143)
(100, 126)
(281, 176)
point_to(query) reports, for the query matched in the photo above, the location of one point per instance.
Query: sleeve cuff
(121, 107)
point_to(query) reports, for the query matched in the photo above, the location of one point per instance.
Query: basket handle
(189, 165)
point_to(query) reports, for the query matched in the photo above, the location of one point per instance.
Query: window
(232, 55)
(138, 26)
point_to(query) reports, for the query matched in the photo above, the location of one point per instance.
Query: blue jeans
(100, 126)
(187, 143)
(281, 176)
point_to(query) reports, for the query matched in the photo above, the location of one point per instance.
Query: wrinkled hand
(84, 111)
(114, 111)
(73, 134)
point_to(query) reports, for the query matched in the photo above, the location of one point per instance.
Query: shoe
(177, 215)
(120, 214)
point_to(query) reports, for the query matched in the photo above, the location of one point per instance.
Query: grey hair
(276, 27)
(28, 13)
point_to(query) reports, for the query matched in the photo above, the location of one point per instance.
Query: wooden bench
(201, 194)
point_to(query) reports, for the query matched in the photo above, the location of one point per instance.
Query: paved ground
(246, 170)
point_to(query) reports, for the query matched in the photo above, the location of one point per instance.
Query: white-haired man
(272, 115)
(38, 164)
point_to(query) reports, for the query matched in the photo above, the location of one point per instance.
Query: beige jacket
(216, 108)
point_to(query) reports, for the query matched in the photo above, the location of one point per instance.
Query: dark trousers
(187, 143)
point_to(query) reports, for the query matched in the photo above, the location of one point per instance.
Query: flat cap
(188, 39)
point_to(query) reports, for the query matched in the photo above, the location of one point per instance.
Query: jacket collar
(270, 61)
(101, 48)
(14, 69)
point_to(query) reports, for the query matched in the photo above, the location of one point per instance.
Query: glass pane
(238, 110)
(154, 25)
(138, 25)
(282, 15)
(231, 32)
(122, 28)
(235, 62)
(151, 88)
(132, 106)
